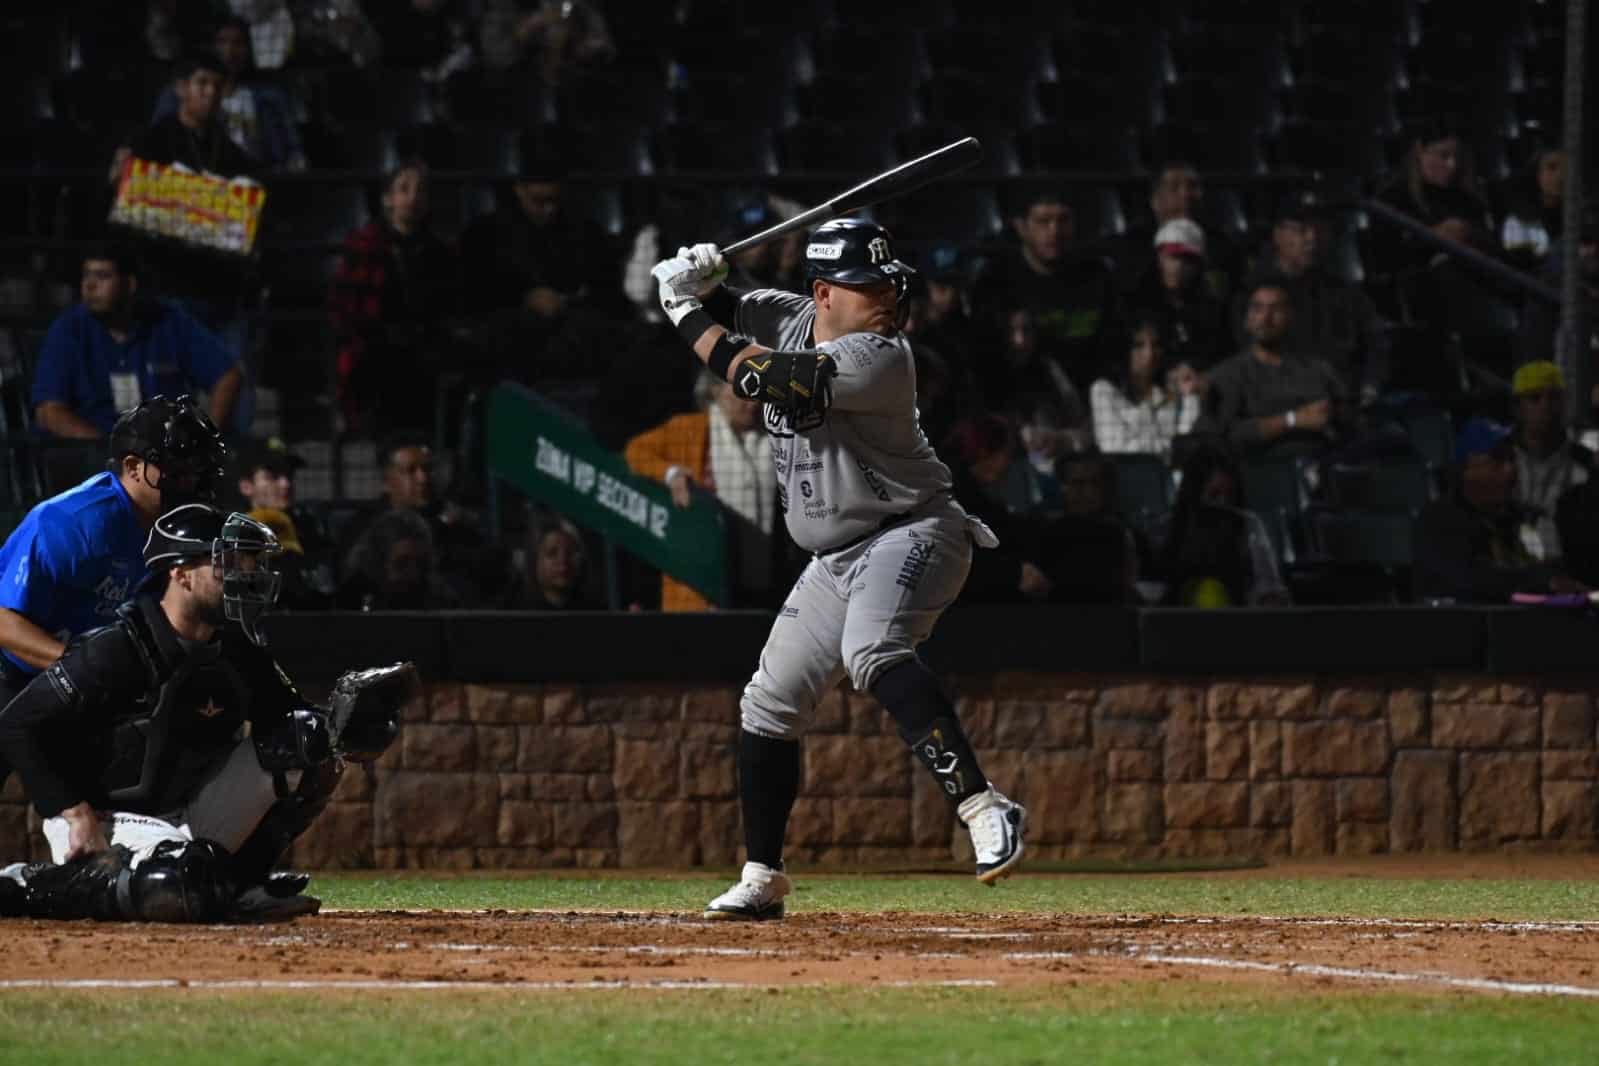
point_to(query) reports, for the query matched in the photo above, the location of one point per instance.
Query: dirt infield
(433, 949)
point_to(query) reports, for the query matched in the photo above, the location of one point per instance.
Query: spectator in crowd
(770, 265)
(1088, 553)
(982, 456)
(545, 276)
(1033, 388)
(946, 342)
(1538, 336)
(272, 29)
(1535, 210)
(1267, 400)
(1439, 190)
(553, 37)
(118, 348)
(435, 37)
(552, 577)
(1333, 320)
(1141, 407)
(393, 567)
(722, 449)
(173, 27)
(1174, 294)
(1577, 521)
(1218, 553)
(309, 563)
(1548, 461)
(211, 287)
(1470, 545)
(473, 568)
(327, 32)
(1176, 192)
(257, 116)
(396, 285)
(1067, 295)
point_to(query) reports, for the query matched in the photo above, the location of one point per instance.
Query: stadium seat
(1252, 57)
(1143, 487)
(1332, 147)
(1426, 360)
(826, 146)
(1276, 491)
(716, 96)
(1098, 212)
(487, 146)
(1222, 146)
(957, 211)
(352, 146)
(1084, 98)
(1108, 146)
(1378, 538)
(299, 280)
(999, 53)
(1387, 487)
(394, 97)
(1000, 156)
(845, 97)
(1209, 98)
(856, 50)
(966, 96)
(617, 148)
(1122, 52)
(716, 146)
(512, 98)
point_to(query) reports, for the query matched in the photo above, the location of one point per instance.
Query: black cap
(1303, 205)
(272, 455)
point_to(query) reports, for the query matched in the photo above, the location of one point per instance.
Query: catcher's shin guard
(284, 821)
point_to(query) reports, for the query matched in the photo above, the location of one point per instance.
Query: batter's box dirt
(536, 949)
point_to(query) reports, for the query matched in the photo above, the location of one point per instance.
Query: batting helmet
(855, 252)
(243, 550)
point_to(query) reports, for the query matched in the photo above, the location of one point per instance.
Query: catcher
(159, 750)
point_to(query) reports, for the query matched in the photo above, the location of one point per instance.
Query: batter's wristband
(723, 352)
(692, 326)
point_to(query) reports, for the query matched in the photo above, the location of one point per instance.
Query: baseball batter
(863, 491)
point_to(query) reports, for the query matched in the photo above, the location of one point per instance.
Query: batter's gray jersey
(868, 461)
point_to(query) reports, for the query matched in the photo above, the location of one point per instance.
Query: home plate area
(578, 950)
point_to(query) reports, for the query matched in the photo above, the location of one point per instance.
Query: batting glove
(686, 277)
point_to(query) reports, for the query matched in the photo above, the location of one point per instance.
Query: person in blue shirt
(114, 350)
(77, 556)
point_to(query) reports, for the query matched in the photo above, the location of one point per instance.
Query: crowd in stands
(1165, 348)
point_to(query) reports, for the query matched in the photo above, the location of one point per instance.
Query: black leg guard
(768, 782)
(926, 720)
(287, 819)
(181, 881)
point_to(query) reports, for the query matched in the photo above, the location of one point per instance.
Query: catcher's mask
(243, 553)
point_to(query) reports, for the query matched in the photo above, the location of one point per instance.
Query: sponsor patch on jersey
(915, 565)
(824, 251)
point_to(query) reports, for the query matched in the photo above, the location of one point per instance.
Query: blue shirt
(73, 559)
(167, 349)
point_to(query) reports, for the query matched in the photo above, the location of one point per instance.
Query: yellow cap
(281, 524)
(1536, 377)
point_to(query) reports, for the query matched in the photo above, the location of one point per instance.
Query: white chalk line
(380, 985)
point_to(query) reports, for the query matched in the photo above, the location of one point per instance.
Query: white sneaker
(757, 897)
(996, 825)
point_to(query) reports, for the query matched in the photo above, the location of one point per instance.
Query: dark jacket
(1071, 308)
(1470, 557)
(133, 717)
(1333, 321)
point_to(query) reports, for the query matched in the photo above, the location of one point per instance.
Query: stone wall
(643, 775)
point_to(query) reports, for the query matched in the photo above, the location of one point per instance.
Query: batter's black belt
(888, 523)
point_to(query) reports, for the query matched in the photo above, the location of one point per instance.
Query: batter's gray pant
(857, 612)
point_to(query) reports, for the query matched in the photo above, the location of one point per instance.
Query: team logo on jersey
(878, 250)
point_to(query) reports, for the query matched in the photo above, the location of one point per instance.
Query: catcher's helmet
(855, 252)
(179, 439)
(243, 550)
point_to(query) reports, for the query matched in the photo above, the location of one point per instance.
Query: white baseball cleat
(758, 896)
(996, 825)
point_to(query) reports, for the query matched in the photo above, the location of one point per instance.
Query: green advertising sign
(555, 461)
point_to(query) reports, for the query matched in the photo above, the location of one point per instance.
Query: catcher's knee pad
(286, 819)
(181, 881)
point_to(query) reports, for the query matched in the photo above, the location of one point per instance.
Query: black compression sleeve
(722, 305)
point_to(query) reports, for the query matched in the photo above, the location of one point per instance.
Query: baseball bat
(907, 177)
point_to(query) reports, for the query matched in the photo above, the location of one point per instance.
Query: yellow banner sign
(209, 212)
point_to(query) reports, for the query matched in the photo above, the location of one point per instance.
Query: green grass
(1077, 894)
(1157, 1025)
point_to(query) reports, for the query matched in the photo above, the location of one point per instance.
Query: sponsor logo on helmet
(879, 251)
(824, 251)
